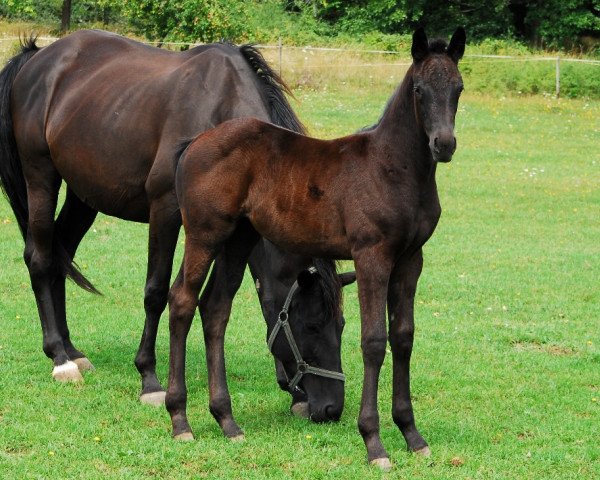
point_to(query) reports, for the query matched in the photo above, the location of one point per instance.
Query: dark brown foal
(369, 197)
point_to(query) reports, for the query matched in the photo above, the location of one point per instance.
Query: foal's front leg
(401, 296)
(372, 275)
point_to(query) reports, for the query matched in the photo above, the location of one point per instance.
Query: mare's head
(316, 323)
(437, 85)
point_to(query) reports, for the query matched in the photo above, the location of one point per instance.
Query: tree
(65, 19)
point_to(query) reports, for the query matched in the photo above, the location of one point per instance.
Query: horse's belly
(114, 198)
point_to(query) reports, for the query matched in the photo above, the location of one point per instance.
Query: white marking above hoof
(238, 438)
(67, 372)
(83, 364)
(300, 409)
(156, 399)
(383, 463)
(424, 452)
(184, 437)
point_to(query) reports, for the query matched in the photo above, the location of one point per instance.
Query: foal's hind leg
(165, 222)
(215, 309)
(43, 184)
(183, 298)
(401, 295)
(73, 222)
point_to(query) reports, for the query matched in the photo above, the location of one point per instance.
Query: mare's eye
(313, 328)
(461, 88)
(417, 90)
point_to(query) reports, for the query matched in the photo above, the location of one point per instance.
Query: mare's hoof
(156, 399)
(67, 372)
(384, 464)
(184, 437)
(83, 364)
(424, 452)
(238, 438)
(300, 409)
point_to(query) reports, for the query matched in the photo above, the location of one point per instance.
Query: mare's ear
(347, 278)
(307, 278)
(420, 45)
(456, 49)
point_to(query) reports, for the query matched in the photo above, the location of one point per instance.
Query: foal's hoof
(424, 452)
(300, 409)
(83, 364)
(156, 399)
(67, 372)
(184, 437)
(238, 438)
(383, 463)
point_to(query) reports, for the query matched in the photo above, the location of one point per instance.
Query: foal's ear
(347, 278)
(420, 45)
(456, 49)
(307, 278)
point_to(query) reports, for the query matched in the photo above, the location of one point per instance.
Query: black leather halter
(303, 367)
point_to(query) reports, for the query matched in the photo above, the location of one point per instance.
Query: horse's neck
(402, 136)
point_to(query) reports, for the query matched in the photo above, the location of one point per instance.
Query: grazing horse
(106, 115)
(370, 197)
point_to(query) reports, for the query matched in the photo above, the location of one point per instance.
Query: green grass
(506, 362)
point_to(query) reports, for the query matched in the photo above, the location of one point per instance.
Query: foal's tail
(274, 89)
(12, 180)
(11, 172)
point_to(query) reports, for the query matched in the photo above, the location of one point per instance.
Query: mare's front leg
(215, 309)
(165, 222)
(401, 296)
(372, 274)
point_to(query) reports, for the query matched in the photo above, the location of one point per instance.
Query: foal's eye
(417, 90)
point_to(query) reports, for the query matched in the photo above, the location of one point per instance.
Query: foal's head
(437, 85)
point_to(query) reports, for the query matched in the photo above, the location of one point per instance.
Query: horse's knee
(402, 343)
(155, 298)
(373, 348)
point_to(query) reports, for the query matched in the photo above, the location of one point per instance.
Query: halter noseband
(303, 367)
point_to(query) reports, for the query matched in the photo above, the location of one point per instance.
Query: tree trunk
(65, 21)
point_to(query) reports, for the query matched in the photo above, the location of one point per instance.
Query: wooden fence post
(557, 77)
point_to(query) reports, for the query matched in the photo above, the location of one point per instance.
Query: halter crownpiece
(303, 367)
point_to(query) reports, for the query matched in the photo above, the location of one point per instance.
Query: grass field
(506, 366)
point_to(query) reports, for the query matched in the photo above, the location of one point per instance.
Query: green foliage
(190, 21)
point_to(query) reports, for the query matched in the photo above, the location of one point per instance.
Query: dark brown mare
(106, 115)
(371, 197)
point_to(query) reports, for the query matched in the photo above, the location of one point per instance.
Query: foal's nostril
(436, 145)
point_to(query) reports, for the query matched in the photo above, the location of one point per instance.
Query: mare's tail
(274, 89)
(12, 180)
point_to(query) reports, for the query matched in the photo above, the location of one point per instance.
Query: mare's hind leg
(165, 222)
(73, 222)
(43, 184)
(215, 308)
(401, 295)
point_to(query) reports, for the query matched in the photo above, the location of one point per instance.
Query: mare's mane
(331, 286)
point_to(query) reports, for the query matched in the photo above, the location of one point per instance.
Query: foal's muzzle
(443, 146)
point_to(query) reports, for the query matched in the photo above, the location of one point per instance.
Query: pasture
(505, 371)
